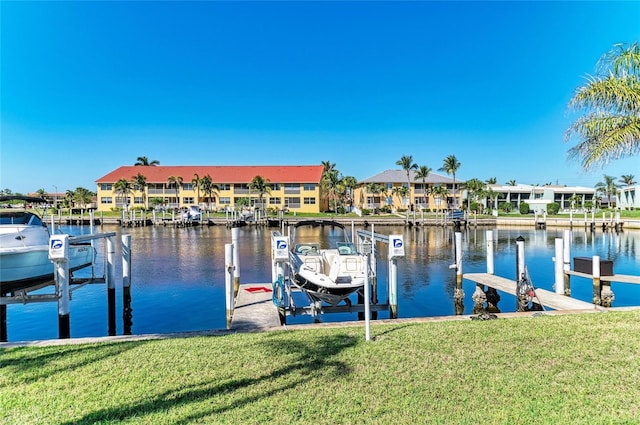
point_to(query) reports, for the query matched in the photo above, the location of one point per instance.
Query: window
(275, 201)
(275, 186)
(188, 200)
(224, 186)
(106, 186)
(224, 200)
(187, 186)
(292, 188)
(291, 202)
(138, 200)
(309, 186)
(241, 188)
(309, 201)
(106, 200)
(155, 189)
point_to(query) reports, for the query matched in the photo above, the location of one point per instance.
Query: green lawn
(577, 369)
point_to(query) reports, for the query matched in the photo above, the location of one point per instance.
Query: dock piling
(229, 290)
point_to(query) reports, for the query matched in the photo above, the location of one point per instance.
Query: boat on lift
(327, 273)
(24, 247)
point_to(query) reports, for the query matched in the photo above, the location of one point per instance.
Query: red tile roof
(219, 174)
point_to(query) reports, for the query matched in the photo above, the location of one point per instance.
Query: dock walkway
(254, 308)
(546, 298)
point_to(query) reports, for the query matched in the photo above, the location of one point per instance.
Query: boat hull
(24, 267)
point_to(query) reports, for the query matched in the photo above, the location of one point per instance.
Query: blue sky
(89, 86)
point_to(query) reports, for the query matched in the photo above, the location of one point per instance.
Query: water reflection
(177, 281)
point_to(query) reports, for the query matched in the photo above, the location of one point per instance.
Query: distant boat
(328, 274)
(24, 248)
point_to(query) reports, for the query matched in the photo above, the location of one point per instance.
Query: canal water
(178, 281)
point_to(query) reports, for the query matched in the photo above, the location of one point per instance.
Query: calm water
(178, 276)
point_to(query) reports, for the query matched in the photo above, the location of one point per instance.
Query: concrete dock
(254, 308)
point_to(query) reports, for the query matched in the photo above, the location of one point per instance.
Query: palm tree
(627, 179)
(610, 126)
(328, 166)
(492, 180)
(140, 183)
(350, 183)
(123, 189)
(423, 173)
(608, 187)
(260, 185)
(450, 165)
(407, 164)
(209, 188)
(176, 181)
(374, 189)
(439, 193)
(511, 183)
(144, 161)
(330, 185)
(476, 189)
(400, 192)
(197, 182)
(83, 196)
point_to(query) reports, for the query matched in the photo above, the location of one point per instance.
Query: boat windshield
(346, 248)
(20, 218)
(307, 248)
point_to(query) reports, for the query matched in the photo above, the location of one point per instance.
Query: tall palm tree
(209, 188)
(140, 183)
(608, 187)
(330, 185)
(261, 186)
(144, 161)
(610, 126)
(176, 181)
(423, 173)
(123, 190)
(328, 166)
(407, 164)
(83, 196)
(627, 179)
(511, 183)
(450, 165)
(492, 180)
(476, 189)
(197, 182)
(350, 184)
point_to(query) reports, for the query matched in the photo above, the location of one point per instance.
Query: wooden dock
(546, 298)
(254, 308)
(621, 278)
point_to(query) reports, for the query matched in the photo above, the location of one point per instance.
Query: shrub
(524, 208)
(553, 208)
(506, 207)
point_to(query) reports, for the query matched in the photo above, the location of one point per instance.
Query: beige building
(436, 192)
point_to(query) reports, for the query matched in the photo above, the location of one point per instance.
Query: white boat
(24, 248)
(193, 213)
(328, 274)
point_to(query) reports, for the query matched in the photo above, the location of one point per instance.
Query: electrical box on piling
(280, 248)
(396, 246)
(59, 248)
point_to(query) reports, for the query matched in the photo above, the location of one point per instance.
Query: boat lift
(284, 288)
(65, 283)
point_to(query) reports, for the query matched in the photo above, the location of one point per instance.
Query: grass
(579, 369)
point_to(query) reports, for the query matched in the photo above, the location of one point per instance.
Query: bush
(506, 207)
(476, 206)
(524, 208)
(553, 208)
(366, 211)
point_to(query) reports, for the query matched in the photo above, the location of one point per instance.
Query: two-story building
(294, 187)
(436, 192)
